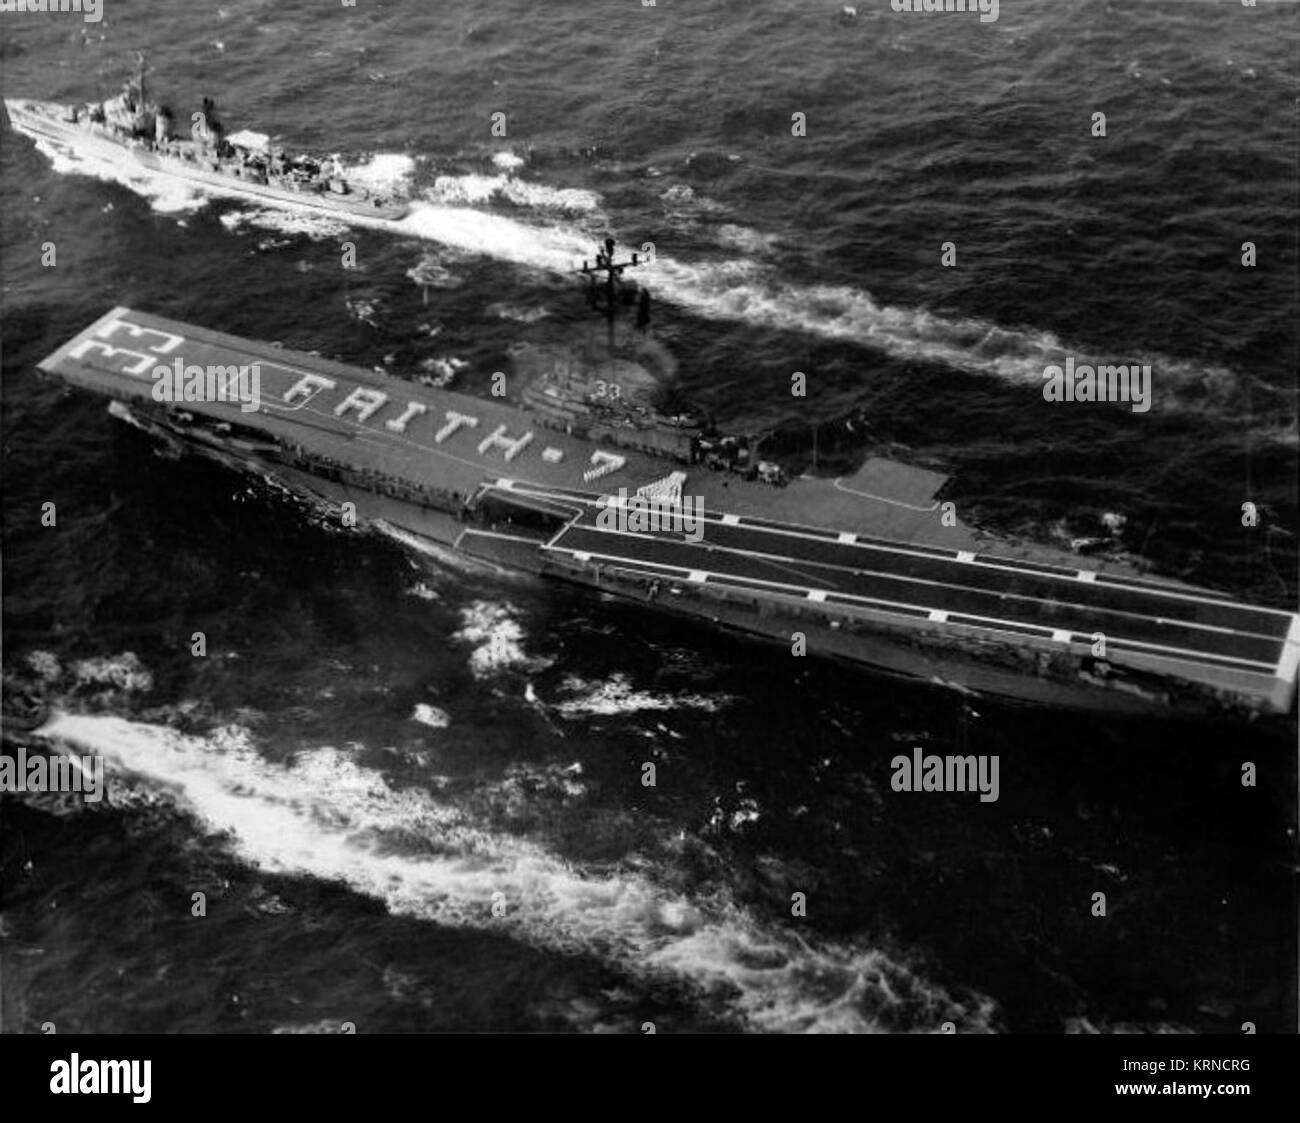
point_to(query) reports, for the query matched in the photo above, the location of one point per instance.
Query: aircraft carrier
(865, 568)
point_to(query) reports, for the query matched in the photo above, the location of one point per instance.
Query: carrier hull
(828, 566)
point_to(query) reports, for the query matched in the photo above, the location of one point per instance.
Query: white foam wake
(747, 291)
(311, 224)
(474, 188)
(740, 290)
(385, 173)
(498, 639)
(553, 248)
(166, 194)
(616, 695)
(328, 818)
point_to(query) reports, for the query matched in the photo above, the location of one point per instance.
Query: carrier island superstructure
(863, 568)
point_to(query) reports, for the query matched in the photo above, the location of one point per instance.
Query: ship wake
(456, 212)
(747, 290)
(326, 817)
(166, 194)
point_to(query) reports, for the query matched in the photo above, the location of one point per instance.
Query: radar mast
(609, 294)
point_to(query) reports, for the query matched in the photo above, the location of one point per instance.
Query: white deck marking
(795, 564)
(910, 611)
(1290, 660)
(470, 532)
(795, 530)
(839, 486)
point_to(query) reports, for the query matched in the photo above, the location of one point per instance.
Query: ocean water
(410, 788)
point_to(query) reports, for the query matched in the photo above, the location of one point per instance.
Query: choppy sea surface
(410, 790)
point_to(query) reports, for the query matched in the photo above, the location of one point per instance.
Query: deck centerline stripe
(994, 561)
(1182, 654)
(1085, 611)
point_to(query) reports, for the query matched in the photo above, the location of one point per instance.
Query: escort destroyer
(132, 131)
(576, 478)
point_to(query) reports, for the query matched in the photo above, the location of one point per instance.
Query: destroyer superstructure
(134, 132)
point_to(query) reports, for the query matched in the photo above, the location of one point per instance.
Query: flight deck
(1198, 634)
